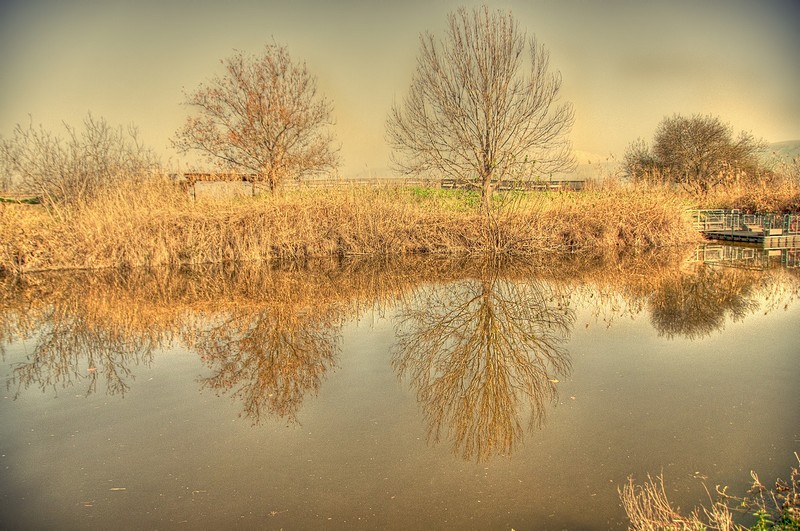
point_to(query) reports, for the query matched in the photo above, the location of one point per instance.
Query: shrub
(72, 169)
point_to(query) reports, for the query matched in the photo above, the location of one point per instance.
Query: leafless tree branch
(473, 115)
(263, 116)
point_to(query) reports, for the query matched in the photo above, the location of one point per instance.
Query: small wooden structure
(769, 231)
(194, 177)
(22, 199)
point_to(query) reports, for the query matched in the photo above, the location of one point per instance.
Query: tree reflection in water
(67, 351)
(480, 349)
(697, 304)
(269, 334)
(75, 339)
(269, 359)
(480, 352)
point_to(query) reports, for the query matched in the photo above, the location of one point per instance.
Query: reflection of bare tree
(479, 352)
(269, 333)
(76, 340)
(268, 359)
(68, 350)
(695, 305)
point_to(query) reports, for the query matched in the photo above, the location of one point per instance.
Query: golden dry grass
(769, 507)
(157, 224)
(773, 191)
(783, 196)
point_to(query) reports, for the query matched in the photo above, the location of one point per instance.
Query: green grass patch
(21, 200)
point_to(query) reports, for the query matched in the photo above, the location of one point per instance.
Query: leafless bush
(698, 154)
(70, 169)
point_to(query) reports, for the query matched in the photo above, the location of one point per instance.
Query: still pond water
(407, 394)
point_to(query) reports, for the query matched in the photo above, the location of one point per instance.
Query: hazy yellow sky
(625, 64)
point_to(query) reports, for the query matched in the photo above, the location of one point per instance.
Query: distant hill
(782, 151)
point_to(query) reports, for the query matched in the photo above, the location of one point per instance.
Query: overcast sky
(625, 64)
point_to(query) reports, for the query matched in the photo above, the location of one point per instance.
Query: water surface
(416, 393)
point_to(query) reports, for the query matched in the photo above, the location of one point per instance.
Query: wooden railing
(521, 185)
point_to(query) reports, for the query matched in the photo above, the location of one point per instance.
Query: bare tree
(696, 153)
(640, 165)
(262, 116)
(70, 169)
(472, 114)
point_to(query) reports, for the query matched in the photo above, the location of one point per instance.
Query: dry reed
(776, 190)
(767, 196)
(648, 507)
(155, 224)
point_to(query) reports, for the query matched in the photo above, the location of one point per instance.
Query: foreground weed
(776, 508)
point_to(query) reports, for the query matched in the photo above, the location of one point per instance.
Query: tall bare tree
(474, 113)
(262, 116)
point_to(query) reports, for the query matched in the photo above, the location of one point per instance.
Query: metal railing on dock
(738, 226)
(720, 220)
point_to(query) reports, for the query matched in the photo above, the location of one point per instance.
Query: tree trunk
(271, 181)
(486, 193)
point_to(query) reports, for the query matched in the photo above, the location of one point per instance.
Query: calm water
(414, 394)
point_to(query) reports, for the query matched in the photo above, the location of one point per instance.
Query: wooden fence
(524, 185)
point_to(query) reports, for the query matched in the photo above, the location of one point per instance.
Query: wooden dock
(768, 231)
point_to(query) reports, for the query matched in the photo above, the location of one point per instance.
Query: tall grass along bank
(157, 224)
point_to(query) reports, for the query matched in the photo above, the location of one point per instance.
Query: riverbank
(157, 224)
